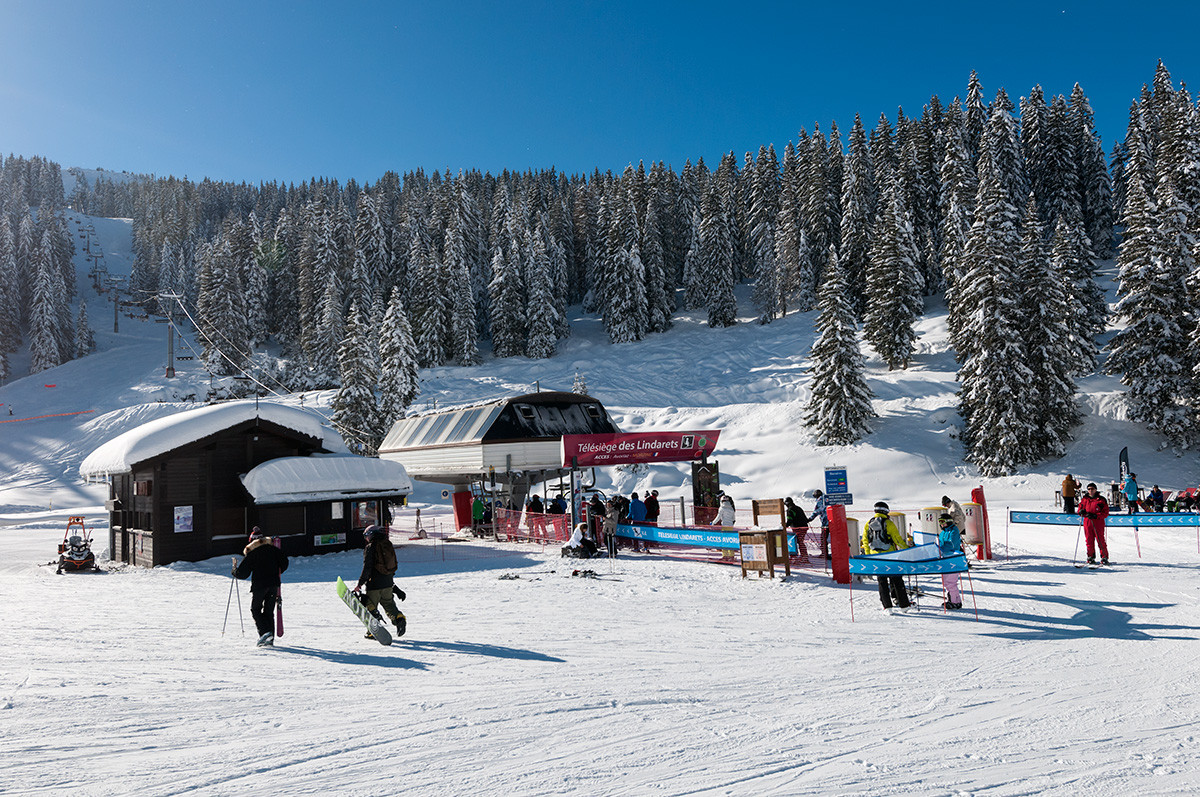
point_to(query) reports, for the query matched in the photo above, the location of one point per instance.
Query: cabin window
(593, 410)
(141, 487)
(526, 411)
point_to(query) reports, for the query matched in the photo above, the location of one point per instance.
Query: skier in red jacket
(1094, 509)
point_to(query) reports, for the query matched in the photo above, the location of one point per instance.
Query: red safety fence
(515, 525)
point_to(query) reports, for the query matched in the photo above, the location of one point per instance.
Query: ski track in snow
(678, 679)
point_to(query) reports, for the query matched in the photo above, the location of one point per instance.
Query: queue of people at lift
(1128, 495)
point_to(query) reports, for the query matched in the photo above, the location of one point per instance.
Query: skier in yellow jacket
(880, 535)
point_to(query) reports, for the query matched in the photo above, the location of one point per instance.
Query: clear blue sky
(259, 91)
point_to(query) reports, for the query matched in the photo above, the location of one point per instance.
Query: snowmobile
(75, 551)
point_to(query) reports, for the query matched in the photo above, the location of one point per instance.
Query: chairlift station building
(515, 441)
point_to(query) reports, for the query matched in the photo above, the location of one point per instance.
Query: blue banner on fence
(695, 537)
(1141, 520)
(904, 563)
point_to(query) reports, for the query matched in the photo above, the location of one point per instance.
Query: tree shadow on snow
(1092, 619)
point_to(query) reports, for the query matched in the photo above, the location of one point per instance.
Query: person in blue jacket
(637, 516)
(949, 544)
(1131, 493)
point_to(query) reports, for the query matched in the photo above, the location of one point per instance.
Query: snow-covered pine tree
(1150, 352)
(428, 302)
(44, 317)
(507, 306)
(1005, 149)
(1062, 197)
(559, 232)
(10, 298)
(579, 386)
(764, 206)
(28, 241)
(257, 301)
(322, 363)
(543, 320)
(355, 410)
(913, 149)
(791, 253)
(625, 317)
(223, 312)
(398, 383)
(715, 261)
(1037, 148)
(463, 326)
(958, 186)
(1045, 308)
(994, 400)
(1088, 315)
(1095, 184)
(976, 117)
(85, 340)
(695, 289)
(857, 214)
(813, 194)
(371, 243)
(729, 182)
(893, 280)
(660, 301)
(839, 411)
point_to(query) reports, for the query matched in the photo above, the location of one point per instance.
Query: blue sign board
(835, 481)
(694, 537)
(1150, 519)
(839, 498)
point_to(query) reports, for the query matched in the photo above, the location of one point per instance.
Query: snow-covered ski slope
(679, 678)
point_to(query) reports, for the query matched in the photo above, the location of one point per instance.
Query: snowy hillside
(659, 678)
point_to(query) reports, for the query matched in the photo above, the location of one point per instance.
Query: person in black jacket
(379, 567)
(263, 564)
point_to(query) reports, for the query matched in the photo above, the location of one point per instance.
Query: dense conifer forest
(1004, 208)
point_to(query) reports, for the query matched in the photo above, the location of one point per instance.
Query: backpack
(877, 535)
(385, 557)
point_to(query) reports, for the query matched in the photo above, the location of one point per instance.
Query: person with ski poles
(263, 564)
(1093, 508)
(949, 544)
(880, 535)
(376, 583)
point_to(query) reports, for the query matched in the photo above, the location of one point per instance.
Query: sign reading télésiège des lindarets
(586, 450)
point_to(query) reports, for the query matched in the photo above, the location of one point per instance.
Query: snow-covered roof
(532, 416)
(325, 477)
(167, 434)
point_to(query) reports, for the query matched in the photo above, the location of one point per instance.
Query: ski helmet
(881, 506)
(371, 531)
(944, 518)
(256, 533)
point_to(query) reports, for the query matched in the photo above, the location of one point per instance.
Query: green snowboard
(378, 630)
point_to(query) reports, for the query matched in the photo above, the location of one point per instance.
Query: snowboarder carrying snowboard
(263, 564)
(379, 566)
(1094, 509)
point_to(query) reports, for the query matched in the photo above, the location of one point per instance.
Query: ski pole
(241, 616)
(229, 600)
(1078, 534)
(1137, 541)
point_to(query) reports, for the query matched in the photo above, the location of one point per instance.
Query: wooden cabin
(182, 487)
